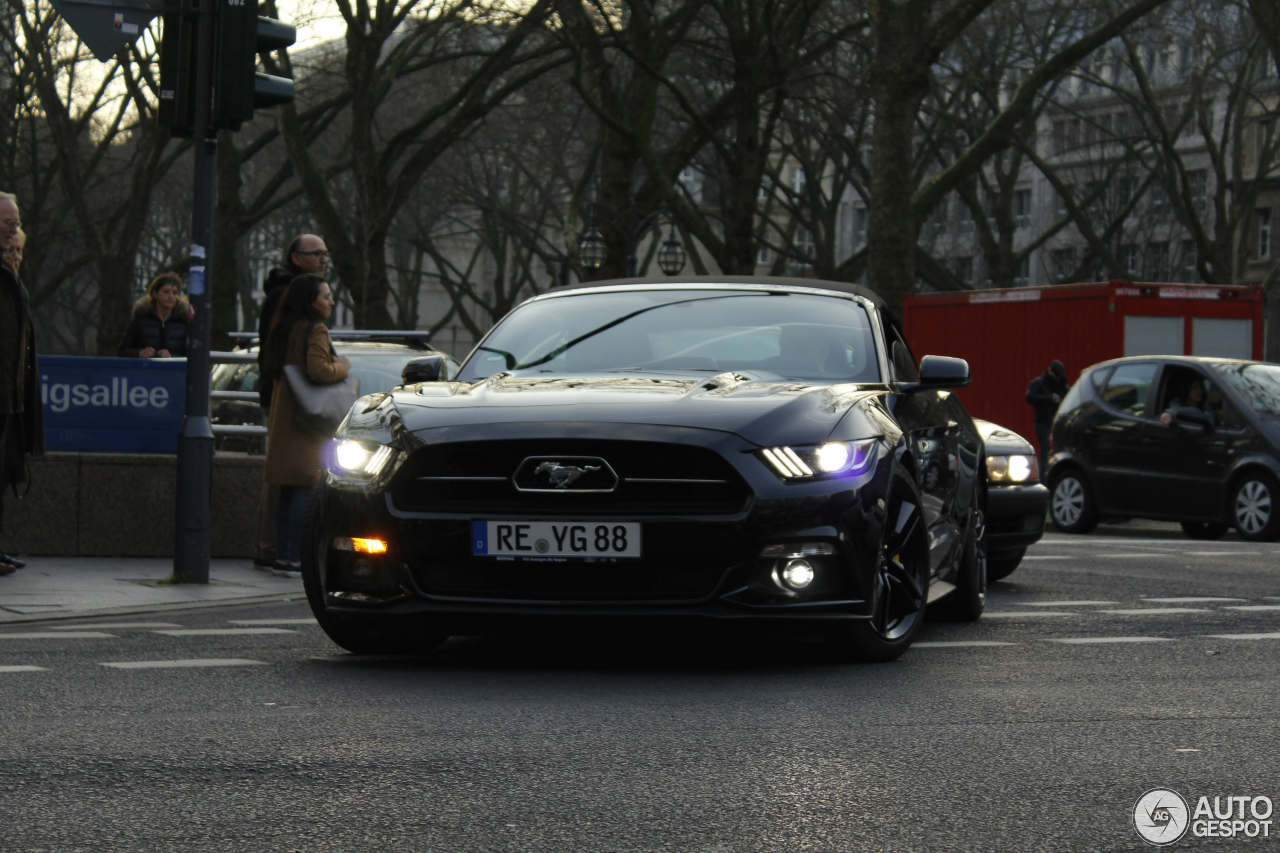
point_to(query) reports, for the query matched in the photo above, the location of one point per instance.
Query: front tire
(900, 585)
(1253, 507)
(967, 601)
(1071, 505)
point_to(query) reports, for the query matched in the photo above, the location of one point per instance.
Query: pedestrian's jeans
(291, 507)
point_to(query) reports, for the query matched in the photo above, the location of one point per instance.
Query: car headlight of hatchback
(1012, 468)
(830, 459)
(359, 460)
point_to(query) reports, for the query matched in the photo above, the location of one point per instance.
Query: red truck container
(1009, 336)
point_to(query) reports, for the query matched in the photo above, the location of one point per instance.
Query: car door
(1123, 445)
(1194, 461)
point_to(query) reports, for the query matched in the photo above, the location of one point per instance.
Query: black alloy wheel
(900, 584)
(1071, 506)
(1253, 507)
(1204, 529)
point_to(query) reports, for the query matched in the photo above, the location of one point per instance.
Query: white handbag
(319, 408)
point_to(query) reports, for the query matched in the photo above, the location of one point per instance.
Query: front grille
(474, 477)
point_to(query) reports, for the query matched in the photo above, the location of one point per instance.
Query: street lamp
(671, 254)
(591, 249)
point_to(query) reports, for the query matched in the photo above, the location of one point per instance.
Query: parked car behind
(1210, 466)
(377, 363)
(1016, 499)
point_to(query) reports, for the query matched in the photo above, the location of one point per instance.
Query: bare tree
(110, 152)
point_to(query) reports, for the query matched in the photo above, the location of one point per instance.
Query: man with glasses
(306, 254)
(21, 415)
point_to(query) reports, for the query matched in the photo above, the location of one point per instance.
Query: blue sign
(113, 405)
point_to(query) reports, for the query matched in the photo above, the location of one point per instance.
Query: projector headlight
(361, 460)
(1012, 468)
(832, 459)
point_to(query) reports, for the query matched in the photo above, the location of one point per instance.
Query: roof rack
(415, 336)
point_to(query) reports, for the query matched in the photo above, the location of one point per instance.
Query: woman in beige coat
(298, 336)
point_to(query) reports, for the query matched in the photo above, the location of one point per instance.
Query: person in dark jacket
(160, 321)
(1044, 393)
(21, 414)
(306, 254)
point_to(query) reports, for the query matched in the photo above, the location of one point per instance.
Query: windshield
(790, 335)
(1257, 384)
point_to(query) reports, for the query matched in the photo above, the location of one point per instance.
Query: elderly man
(21, 416)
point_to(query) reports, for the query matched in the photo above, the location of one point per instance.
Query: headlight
(1013, 468)
(834, 458)
(359, 459)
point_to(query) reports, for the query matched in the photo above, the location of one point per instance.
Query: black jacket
(1040, 393)
(273, 290)
(146, 329)
(21, 413)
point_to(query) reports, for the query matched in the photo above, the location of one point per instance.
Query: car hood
(1001, 440)
(760, 410)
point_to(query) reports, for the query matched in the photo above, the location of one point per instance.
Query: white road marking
(1273, 635)
(189, 663)
(960, 644)
(1126, 556)
(223, 632)
(309, 620)
(1024, 614)
(1154, 611)
(22, 668)
(1190, 599)
(1210, 553)
(1259, 607)
(1082, 641)
(58, 635)
(1048, 557)
(117, 625)
(1061, 603)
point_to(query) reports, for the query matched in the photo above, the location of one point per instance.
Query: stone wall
(123, 505)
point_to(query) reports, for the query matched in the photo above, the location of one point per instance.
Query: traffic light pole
(195, 445)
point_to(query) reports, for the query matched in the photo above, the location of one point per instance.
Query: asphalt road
(1107, 665)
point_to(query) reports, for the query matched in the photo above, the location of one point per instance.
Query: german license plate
(578, 539)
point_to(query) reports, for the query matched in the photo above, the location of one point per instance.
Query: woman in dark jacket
(160, 319)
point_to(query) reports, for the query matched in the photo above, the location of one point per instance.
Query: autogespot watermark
(1163, 816)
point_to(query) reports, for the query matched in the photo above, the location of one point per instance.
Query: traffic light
(238, 87)
(178, 68)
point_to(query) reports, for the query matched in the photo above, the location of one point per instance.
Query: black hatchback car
(736, 449)
(1180, 438)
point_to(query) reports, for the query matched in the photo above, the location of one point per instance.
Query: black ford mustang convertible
(736, 449)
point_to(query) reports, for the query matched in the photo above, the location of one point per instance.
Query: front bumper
(705, 560)
(1015, 517)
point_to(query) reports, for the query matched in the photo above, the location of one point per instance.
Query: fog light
(798, 574)
(360, 546)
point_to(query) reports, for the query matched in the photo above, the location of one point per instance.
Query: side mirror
(424, 368)
(940, 371)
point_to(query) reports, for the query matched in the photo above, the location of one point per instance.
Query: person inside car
(1195, 397)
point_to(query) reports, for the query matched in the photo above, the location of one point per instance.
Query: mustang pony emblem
(562, 476)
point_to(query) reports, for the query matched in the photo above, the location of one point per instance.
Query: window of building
(1022, 208)
(1198, 187)
(797, 179)
(1189, 260)
(1129, 258)
(1263, 217)
(1063, 263)
(1023, 278)
(860, 221)
(963, 268)
(1155, 266)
